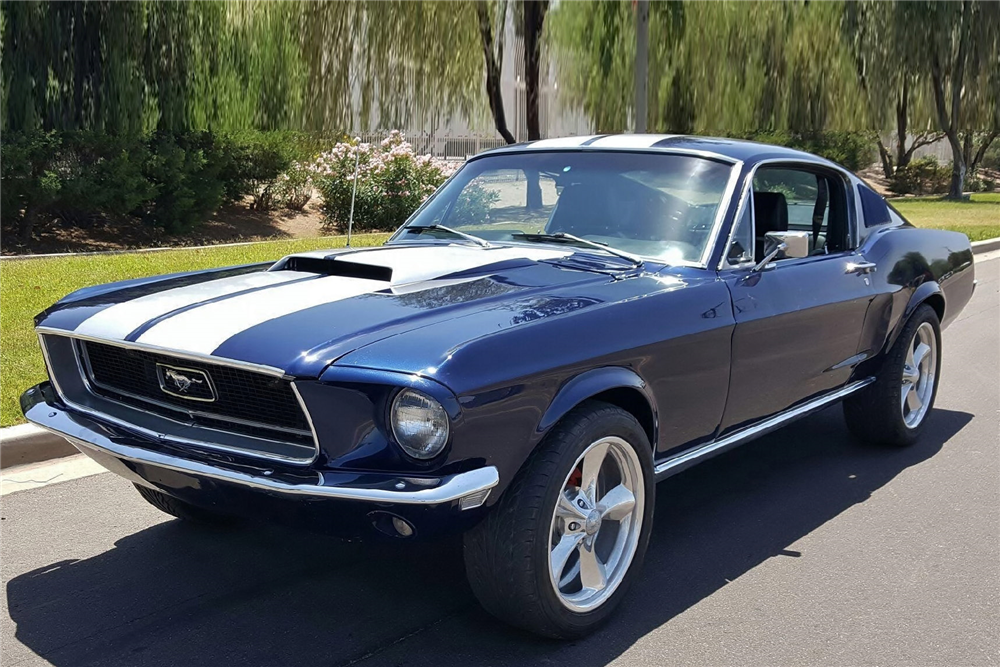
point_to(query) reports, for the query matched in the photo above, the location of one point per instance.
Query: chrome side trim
(157, 349)
(155, 435)
(686, 459)
(850, 361)
(720, 215)
(309, 419)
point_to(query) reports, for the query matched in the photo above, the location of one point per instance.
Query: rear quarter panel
(916, 265)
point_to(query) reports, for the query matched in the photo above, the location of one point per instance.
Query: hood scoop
(338, 267)
(412, 264)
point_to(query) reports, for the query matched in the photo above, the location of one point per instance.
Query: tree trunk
(533, 15)
(902, 157)
(27, 224)
(883, 154)
(493, 63)
(958, 169)
(981, 151)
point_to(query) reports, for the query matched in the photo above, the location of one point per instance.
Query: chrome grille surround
(197, 427)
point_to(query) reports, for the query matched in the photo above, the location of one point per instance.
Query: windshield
(661, 206)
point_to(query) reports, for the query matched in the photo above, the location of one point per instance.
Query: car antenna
(354, 193)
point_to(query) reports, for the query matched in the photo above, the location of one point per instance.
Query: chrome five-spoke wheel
(560, 549)
(918, 375)
(894, 409)
(596, 524)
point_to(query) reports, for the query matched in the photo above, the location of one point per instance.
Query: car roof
(727, 149)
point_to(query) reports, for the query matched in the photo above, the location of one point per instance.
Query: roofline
(745, 151)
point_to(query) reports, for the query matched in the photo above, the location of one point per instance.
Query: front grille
(232, 399)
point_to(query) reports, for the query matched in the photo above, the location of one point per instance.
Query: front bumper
(223, 484)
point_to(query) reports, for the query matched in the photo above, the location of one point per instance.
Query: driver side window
(807, 203)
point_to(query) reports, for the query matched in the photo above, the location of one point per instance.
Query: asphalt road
(802, 548)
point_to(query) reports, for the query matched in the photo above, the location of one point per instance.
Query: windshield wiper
(468, 237)
(563, 236)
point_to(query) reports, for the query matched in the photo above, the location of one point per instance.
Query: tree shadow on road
(176, 595)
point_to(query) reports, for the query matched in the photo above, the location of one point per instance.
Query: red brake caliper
(576, 477)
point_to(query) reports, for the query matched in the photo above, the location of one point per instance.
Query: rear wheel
(894, 409)
(558, 552)
(181, 509)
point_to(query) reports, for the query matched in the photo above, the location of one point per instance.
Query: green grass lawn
(979, 218)
(29, 286)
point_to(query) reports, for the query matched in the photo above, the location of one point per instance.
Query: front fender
(590, 384)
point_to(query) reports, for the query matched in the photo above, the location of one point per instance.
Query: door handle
(861, 267)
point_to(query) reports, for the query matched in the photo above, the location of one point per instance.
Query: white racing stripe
(561, 142)
(120, 320)
(201, 330)
(630, 140)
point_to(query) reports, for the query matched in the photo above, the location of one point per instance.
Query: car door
(799, 321)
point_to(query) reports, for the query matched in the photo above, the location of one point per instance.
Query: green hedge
(171, 180)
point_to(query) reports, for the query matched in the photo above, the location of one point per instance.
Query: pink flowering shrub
(392, 182)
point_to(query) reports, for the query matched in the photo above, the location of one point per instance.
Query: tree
(493, 57)
(892, 86)
(532, 15)
(533, 19)
(959, 47)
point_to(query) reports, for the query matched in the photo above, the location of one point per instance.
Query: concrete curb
(26, 443)
(988, 245)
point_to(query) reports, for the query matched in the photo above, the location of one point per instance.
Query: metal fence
(452, 147)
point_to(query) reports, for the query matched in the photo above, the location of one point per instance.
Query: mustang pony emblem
(185, 383)
(182, 382)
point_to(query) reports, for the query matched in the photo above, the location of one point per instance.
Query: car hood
(304, 312)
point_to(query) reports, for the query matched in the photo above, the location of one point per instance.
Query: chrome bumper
(104, 444)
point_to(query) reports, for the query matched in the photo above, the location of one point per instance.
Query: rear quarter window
(876, 212)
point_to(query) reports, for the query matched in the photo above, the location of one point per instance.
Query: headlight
(419, 424)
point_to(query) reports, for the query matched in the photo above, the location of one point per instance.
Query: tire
(507, 555)
(883, 413)
(181, 509)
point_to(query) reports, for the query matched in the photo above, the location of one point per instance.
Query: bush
(294, 188)
(174, 181)
(923, 176)
(74, 176)
(392, 182)
(29, 182)
(255, 161)
(101, 176)
(186, 170)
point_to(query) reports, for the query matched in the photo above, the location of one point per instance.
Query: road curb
(988, 245)
(27, 443)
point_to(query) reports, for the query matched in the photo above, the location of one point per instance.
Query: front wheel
(558, 552)
(893, 410)
(182, 510)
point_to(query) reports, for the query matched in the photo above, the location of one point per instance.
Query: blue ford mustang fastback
(560, 326)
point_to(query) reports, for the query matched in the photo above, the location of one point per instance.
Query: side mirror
(796, 243)
(774, 251)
